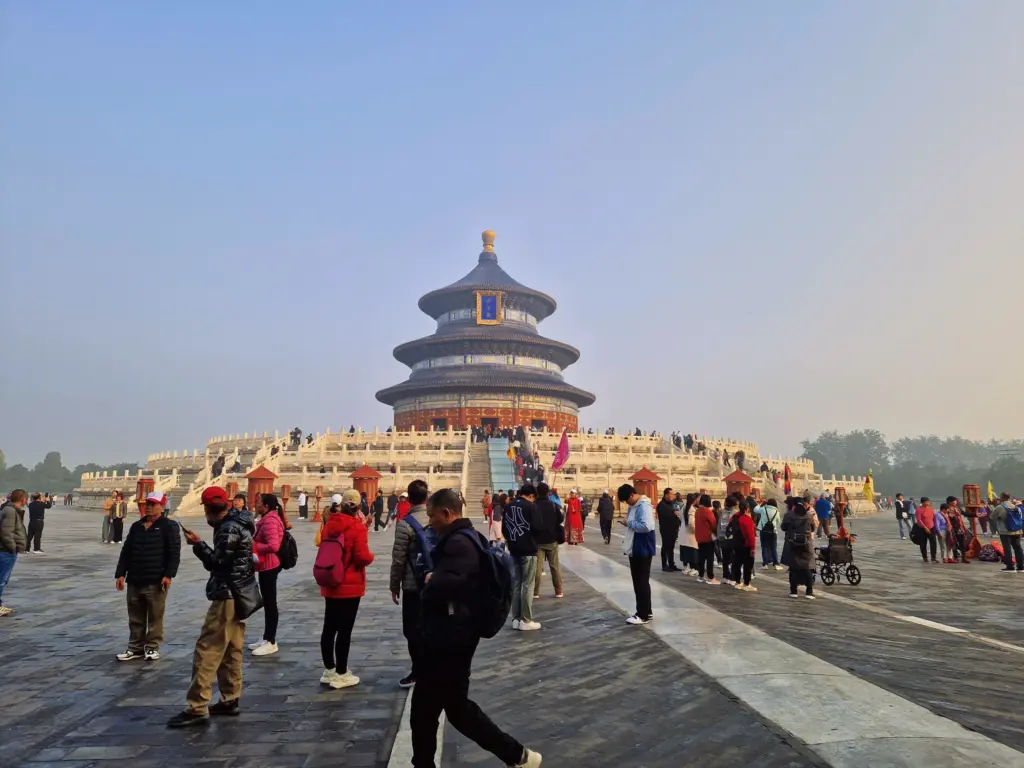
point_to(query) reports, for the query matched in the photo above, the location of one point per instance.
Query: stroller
(836, 561)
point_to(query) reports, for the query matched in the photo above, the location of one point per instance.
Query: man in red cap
(234, 596)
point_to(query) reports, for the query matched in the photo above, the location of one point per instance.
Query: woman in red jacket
(743, 552)
(574, 519)
(341, 603)
(705, 527)
(266, 543)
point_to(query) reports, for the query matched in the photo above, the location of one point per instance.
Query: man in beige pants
(233, 596)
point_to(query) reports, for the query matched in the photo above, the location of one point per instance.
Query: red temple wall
(460, 418)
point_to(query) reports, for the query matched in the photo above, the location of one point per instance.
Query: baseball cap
(157, 498)
(336, 498)
(352, 497)
(214, 494)
(404, 495)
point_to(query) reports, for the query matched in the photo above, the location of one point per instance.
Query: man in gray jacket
(1007, 521)
(409, 566)
(13, 540)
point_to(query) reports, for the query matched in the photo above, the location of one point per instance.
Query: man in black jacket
(605, 513)
(546, 537)
(232, 593)
(903, 516)
(149, 561)
(450, 635)
(518, 525)
(36, 512)
(669, 519)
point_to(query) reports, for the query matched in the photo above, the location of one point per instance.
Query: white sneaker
(529, 626)
(152, 654)
(700, 579)
(266, 650)
(257, 644)
(5, 611)
(532, 760)
(749, 588)
(765, 567)
(344, 681)
(38, 552)
(516, 623)
(328, 677)
(793, 594)
(780, 567)
(809, 597)
(636, 620)
(712, 582)
(129, 656)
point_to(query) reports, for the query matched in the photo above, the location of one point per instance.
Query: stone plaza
(918, 665)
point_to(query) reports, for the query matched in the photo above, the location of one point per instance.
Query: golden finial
(488, 238)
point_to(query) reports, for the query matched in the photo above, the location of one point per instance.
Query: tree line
(920, 466)
(50, 475)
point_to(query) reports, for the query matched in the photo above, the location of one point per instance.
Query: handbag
(917, 534)
(248, 599)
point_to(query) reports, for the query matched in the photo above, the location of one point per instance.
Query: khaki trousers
(146, 617)
(218, 655)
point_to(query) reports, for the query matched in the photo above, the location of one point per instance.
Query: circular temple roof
(442, 380)
(487, 276)
(486, 340)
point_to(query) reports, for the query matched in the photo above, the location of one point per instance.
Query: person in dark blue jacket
(640, 545)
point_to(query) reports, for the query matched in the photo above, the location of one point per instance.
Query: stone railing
(172, 460)
(464, 480)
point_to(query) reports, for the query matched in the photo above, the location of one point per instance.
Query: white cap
(404, 495)
(605, 491)
(336, 498)
(573, 491)
(157, 498)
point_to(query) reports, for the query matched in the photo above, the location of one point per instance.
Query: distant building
(486, 364)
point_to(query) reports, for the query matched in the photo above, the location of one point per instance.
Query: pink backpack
(329, 566)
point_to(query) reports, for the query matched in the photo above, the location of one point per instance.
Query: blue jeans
(769, 548)
(903, 523)
(524, 572)
(7, 561)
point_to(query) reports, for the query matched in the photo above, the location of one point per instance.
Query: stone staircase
(479, 478)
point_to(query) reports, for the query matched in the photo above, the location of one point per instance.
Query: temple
(486, 364)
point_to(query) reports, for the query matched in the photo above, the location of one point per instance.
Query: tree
(850, 454)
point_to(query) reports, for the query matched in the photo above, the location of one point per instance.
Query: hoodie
(640, 520)
(356, 555)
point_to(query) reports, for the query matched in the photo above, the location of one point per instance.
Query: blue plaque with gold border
(488, 307)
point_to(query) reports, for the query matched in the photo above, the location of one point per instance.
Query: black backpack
(288, 554)
(768, 526)
(732, 531)
(496, 577)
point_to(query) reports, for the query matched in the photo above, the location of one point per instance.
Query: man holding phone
(149, 561)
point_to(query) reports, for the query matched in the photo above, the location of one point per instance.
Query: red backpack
(329, 566)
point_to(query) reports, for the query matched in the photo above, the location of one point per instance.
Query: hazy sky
(759, 219)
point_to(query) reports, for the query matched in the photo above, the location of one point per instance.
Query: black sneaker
(225, 709)
(187, 718)
(407, 682)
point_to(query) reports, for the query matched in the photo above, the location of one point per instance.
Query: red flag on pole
(562, 454)
(788, 476)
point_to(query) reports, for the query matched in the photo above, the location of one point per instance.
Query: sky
(760, 220)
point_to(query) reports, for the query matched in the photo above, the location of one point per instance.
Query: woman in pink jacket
(270, 526)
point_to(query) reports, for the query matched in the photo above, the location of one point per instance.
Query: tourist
(743, 538)
(768, 521)
(798, 550)
(108, 505)
(378, 512)
(725, 458)
(705, 531)
(303, 502)
(741, 457)
(1007, 522)
(340, 570)
(669, 520)
(392, 505)
(941, 533)
(13, 539)
(556, 499)
(547, 537)
(36, 515)
(925, 518)
(451, 635)
(118, 512)
(147, 564)
(271, 523)
(234, 596)
(574, 519)
(688, 549)
(957, 531)
(518, 525)
(823, 511)
(639, 545)
(716, 507)
(403, 506)
(605, 514)
(903, 516)
(494, 535)
(485, 501)
(724, 545)
(411, 561)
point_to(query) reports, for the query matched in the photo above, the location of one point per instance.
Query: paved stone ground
(956, 676)
(66, 701)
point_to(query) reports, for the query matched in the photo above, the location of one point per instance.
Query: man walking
(669, 520)
(605, 513)
(149, 561)
(410, 563)
(36, 512)
(13, 539)
(451, 635)
(546, 539)
(1008, 523)
(108, 506)
(518, 524)
(823, 509)
(378, 512)
(233, 596)
(303, 505)
(903, 516)
(639, 547)
(392, 505)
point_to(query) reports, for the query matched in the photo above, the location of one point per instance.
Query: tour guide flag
(869, 487)
(562, 454)
(788, 475)
(991, 492)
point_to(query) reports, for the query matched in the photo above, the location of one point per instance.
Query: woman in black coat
(798, 551)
